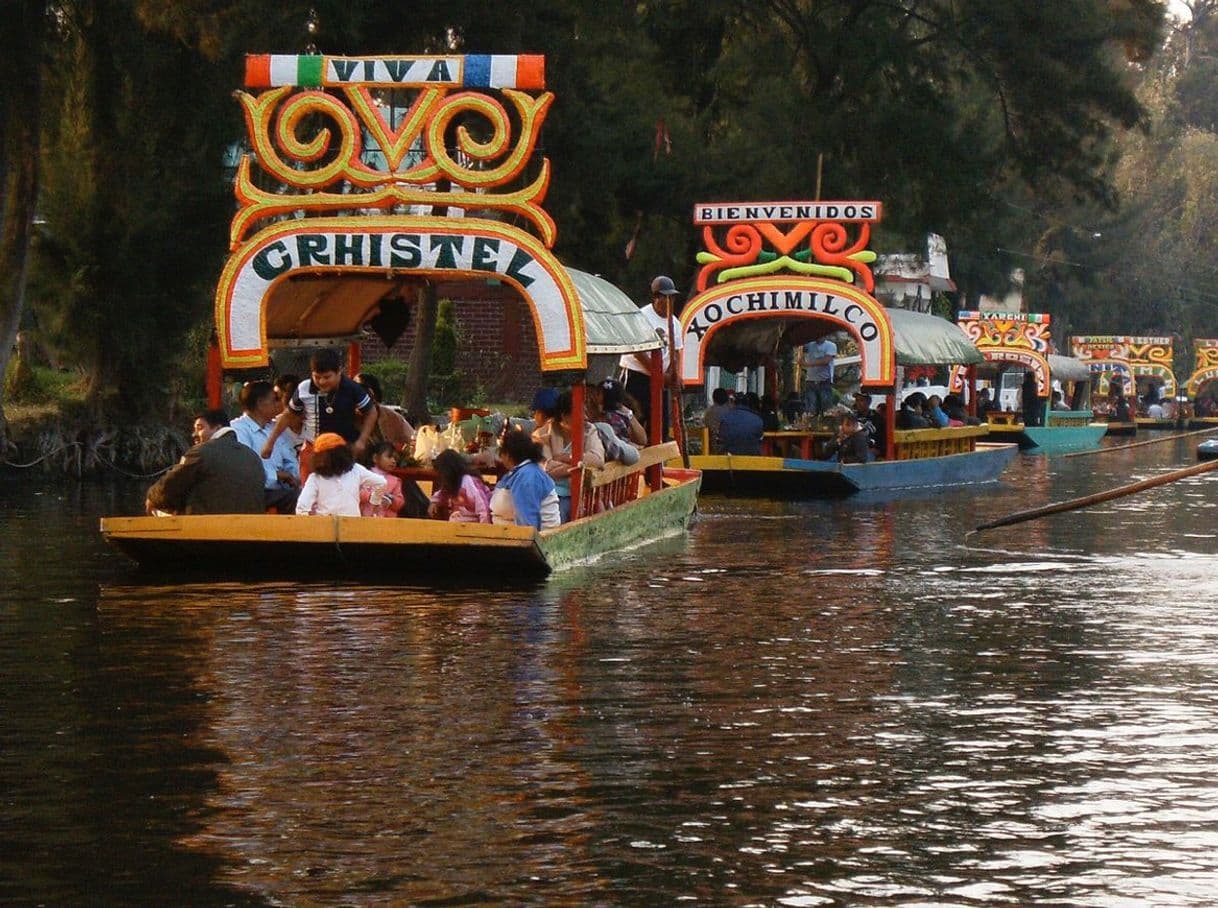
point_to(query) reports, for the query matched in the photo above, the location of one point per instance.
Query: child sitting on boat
(525, 495)
(460, 496)
(383, 460)
(333, 487)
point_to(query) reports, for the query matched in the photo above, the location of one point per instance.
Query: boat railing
(914, 444)
(617, 484)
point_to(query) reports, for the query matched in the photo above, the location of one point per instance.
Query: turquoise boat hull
(1053, 439)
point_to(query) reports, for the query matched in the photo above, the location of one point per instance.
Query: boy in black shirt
(327, 401)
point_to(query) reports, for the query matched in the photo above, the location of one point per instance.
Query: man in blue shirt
(740, 427)
(253, 429)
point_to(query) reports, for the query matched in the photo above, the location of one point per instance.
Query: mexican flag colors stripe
(468, 71)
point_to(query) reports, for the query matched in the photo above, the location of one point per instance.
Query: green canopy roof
(927, 340)
(1067, 368)
(614, 323)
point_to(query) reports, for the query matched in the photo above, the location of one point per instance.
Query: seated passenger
(741, 428)
(383, 461)
(334, 485)
(219, 475)
(957, 415)
(618, 414)
(555, 439)
(460, 495)
(617, 445)
(543, 408)
(391, 426)
(934, 413)
(1057, 403)
(909, 416)
(524, 495)
(850, 445)
(713, 414)
(253, 428)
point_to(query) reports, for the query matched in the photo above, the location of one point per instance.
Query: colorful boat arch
(424, 246)
(1205, 365)
(465, 144)
(846, 307)
(1010, 337)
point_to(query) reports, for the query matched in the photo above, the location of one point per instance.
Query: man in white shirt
(636, 367)
(816, 359)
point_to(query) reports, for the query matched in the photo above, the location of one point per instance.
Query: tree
(22, 34)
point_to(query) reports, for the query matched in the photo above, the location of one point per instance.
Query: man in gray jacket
(219, 475)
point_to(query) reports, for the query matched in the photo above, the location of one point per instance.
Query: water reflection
(800, 704)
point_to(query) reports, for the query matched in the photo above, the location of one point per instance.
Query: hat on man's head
(328, 441)
(545, 400)
(663, 284)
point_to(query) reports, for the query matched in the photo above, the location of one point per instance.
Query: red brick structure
(497, 354)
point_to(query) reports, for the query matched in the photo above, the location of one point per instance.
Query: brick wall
(498, 353)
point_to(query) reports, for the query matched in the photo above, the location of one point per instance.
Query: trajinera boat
(1016, 345)
(1108, 356)
(323, 239)
(1202, 387)
(778, 275)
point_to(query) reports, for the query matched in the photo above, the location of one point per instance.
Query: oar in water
(1135, 444)
(1087, 500)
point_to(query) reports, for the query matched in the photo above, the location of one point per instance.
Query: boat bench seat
(913, 444)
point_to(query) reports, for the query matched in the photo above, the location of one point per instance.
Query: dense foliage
(996, 123)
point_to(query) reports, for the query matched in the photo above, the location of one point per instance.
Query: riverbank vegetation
(1076, 140)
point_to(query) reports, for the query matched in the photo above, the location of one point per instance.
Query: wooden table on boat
(783, 442)
(1003, 417)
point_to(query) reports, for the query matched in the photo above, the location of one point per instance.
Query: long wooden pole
(1098, 497)
(1138, 444)
(673, 379)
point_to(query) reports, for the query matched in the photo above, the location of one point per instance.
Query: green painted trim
(651, 517)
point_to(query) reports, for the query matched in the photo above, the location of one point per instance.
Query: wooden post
(890, 426)
(215, 376)
(354, 358)
(971, 374)
(655, 429)
(577, 447)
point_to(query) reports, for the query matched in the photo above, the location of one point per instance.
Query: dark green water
(798, 704)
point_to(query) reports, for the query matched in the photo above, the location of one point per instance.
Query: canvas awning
(1068, 368)
(614, 323)
(927, 340)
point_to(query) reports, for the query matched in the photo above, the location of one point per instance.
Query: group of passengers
(297, 448)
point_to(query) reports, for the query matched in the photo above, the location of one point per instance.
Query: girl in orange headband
(333, 488)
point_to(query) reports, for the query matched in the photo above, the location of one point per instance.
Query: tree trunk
(414, 400)
(21, 39)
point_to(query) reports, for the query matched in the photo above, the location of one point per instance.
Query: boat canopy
(922, 339)
(613, 322)
(1068, 368)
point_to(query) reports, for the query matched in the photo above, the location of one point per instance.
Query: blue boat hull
(788, 478)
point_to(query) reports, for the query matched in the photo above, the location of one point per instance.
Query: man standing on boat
(816, 359)
(219, 475)
(327, 401)
(636, 367)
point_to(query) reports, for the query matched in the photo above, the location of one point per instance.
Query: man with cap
(636, 367)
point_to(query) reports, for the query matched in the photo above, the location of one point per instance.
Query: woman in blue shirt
(524, 495)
